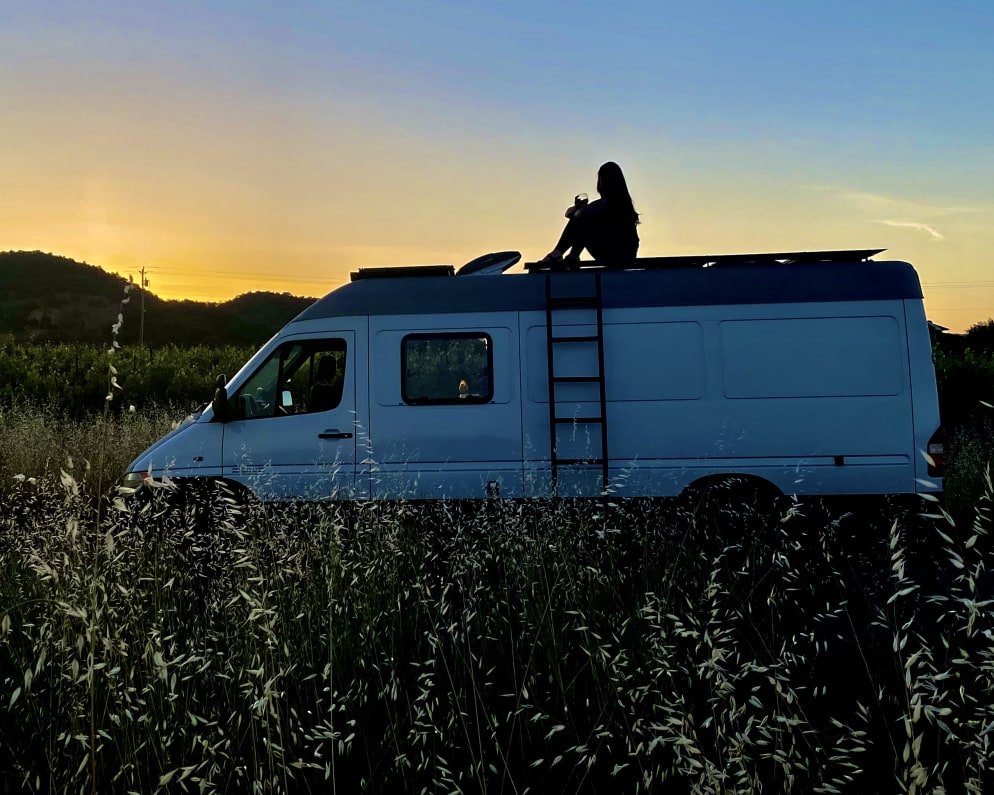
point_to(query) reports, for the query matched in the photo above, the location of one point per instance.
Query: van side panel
(308, 453)
(460, 450)
(820, 357)
(831, 393)
(654, 367)
(359, 367)
(815, 398)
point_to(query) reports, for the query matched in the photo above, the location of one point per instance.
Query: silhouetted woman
(605, 227)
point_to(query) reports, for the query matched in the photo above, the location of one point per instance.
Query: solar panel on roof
(711, 260)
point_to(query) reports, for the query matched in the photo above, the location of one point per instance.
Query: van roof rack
(711, 260)
(402, 271)
(491, 264)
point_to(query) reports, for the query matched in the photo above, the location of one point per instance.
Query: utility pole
(141, 322)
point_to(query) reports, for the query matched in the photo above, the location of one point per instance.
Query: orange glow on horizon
(955, 304)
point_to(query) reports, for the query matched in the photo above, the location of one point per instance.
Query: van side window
(298, 378)
(447, 368)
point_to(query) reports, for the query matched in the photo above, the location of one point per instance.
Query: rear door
(294, 432)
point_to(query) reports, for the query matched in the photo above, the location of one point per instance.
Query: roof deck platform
(656, 281)
(713, 260)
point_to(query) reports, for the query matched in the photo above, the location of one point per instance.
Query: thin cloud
(881, 202)
(917, 226)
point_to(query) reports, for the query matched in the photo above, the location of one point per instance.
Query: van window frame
(284, 357)
(472, 400)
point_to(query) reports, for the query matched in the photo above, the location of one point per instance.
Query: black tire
(727, 503)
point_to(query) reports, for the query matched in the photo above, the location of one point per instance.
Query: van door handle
(334, 433)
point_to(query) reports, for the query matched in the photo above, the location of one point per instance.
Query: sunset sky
(237, 146)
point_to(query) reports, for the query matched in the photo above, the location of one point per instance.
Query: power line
(957, 284)
(242, 276)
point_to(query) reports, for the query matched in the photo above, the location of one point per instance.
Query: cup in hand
(580, 199)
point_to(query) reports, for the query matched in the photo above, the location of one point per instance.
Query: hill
(45, 297)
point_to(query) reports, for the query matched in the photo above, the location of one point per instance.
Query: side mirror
(220, 404)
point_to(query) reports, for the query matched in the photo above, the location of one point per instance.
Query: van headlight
(133, 481)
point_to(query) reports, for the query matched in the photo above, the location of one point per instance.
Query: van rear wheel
(734, 528)
(734, 507)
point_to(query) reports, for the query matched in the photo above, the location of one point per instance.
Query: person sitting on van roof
(605, 227)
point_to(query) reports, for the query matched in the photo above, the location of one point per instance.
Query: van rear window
(447, 368)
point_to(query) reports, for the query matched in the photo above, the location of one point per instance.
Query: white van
(810, 373)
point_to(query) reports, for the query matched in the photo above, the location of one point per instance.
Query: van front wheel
(206, 505)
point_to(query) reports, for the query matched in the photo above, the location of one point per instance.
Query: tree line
(74, 378)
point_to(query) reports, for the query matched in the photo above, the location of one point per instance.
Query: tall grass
(969, 449)
(503, 647)
(38, 442)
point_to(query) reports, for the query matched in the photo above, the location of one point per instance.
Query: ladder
(557, 339)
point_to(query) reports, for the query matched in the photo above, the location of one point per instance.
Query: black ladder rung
(562, 334)
(575, 302)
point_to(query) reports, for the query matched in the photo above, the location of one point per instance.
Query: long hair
(611, 185)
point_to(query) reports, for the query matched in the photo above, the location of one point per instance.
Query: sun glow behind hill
(46, 298)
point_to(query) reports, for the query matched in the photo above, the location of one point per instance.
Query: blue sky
(238, 146)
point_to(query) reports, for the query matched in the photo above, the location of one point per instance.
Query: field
(501, 647)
